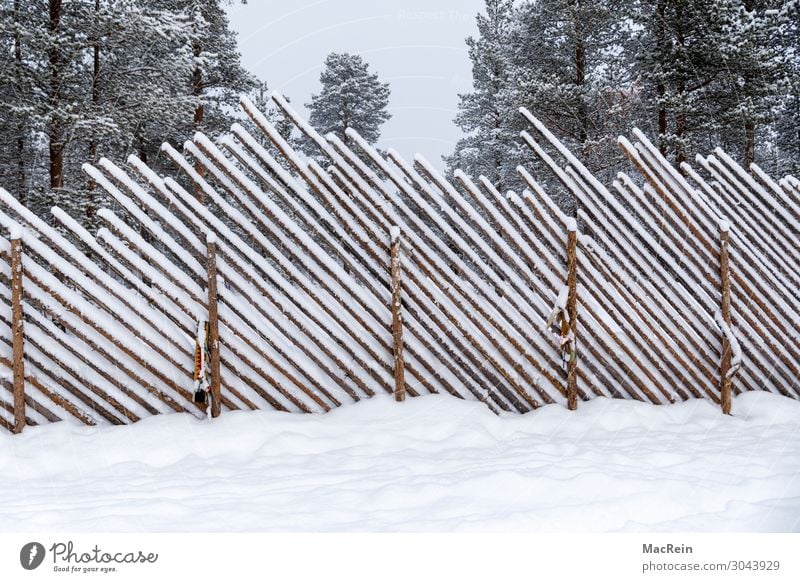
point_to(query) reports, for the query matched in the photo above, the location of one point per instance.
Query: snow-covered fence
(661, 244)
(298, 261)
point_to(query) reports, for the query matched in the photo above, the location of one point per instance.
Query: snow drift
(429, 464)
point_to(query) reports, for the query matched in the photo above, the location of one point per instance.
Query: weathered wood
(571, 329)
(17, 335)
(725, 284)
(224, 172)
(397, 317)
(758, 315)
(595, 357)
(117, 344)
(213, 328)
(309, 290)
(360, 174)
(267, 230)
(772, 309)
(463, 271)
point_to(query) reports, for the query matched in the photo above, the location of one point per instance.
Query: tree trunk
(681, 120)
(580, 82)
(199, 112)
(91, 206)
(345, 125)
(55, 131)
(21, 177)
(661, 88)
(197, 87)
(580, 73)
(56, 151)
(680, 132)
(750, 124)
(749, 144)
(662, 119)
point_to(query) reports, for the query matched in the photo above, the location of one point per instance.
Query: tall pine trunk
(749, 143)
(199, 112)
(580, 74)
(681, 120)
(661, 88)
(91, 205)
(55, 131)
(749, 123)
(21, 175)
(680, 126)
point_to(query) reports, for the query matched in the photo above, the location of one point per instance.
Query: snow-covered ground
(432, 463)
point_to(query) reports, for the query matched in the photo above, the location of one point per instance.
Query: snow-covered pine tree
(686, 46)
(139, 66)
(217, 77)
(92, 78)
(58, 46)
(569, 63)
(787, 124)
(43, 107)
(487, 141)
(16, 80)
(757, 78)
(351, 97)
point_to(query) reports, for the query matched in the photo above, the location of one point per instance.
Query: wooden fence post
(725, 280)
(213, 327)
(572, 314)
(397, 318)
(17, 334)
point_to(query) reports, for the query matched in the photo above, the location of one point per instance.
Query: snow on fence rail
(328, 282)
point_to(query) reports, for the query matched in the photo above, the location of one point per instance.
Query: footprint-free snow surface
(432, 463)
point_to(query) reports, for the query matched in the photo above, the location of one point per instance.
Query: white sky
(416, 45)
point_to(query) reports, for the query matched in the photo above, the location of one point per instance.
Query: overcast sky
(416, 45)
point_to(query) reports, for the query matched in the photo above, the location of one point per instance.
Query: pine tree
(91, 78)
(137, 64)
(687, 45)
(486, 145)
(569, 63)
(787, 124)
(16, 80)
(351, 97)
(62, 82)
(758, 77)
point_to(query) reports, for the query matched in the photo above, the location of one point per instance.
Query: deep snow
(432, 463)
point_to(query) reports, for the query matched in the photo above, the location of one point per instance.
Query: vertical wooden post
(213, 327)
(725, 308)
(572, 313)
(397, 318)
(17, 334)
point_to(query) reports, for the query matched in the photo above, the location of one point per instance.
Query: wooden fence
(330, 278)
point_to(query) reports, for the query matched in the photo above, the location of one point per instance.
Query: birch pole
(397, 318)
